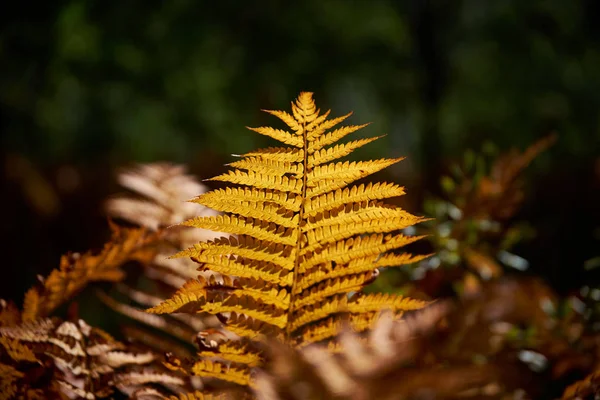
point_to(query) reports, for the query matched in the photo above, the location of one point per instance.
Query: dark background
(89, 86)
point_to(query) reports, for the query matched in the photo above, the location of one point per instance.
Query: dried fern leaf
(9, 377)
(158, 197)
(160, 191)
(77, 270)
(9, 313)
(360, 367)
(17, 351)
(80, 360)
(589, 387)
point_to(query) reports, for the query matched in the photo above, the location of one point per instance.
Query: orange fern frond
(305, 239)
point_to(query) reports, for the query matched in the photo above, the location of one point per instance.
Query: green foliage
(152, 80)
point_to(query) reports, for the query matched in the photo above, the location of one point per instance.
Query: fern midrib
(288, 330)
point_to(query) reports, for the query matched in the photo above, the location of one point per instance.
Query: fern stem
(288, 328)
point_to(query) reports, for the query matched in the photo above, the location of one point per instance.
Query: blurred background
(87, 87)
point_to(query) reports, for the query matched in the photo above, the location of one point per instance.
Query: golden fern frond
(304, 241)
(203, 396)
(77, 270)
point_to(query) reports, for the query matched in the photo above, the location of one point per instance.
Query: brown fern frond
(158, 196)
(304, 241)
(77, 359)
(9, 381)
(9, 313)
(77, 270)
(157, 199)
(16, 351)
(587, 388)
(473, 229)
(361, 367)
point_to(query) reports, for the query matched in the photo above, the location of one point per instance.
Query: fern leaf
(317, 131)
(202, 396)
(330, 287)
(281, 154)
(323, 236)
(356, 213)
(246, 268)
(355, 194)
(304, 241)
(280, 135)
(240, 352)
(194, 291)
(304, 109)
(358, 247)
(356, 305)
(330, 327)
(245, 326)
(376, 302)
(268, 314)
(233, 199)
(584, 388)
(356, 266)
(257, 228)
(77, 270)
(17, 351)
(246, 247)
(318, 311)
(285, 117)
(80, 360)
(348, 171)
(229, 373)
(159, 189)
(332, 137)
(9, 376)
(214, 369)
(9, 313)
(390, 260)
(258, 210)
(250, 178)
(268, 167)
(338, 151)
